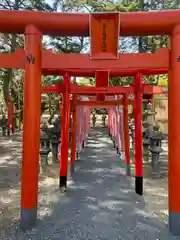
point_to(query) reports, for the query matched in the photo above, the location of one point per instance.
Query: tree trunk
(8, 78)
(140, 47)
(49, 103)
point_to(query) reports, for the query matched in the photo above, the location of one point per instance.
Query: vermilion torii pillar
(102, 80)
(74, 133)
(174, 132)
(138, 134)
(31, 128)
(65, 135)
(126, 135)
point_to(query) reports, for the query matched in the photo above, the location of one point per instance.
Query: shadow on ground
(100, 202)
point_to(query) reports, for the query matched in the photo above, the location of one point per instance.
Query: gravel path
(100, 202)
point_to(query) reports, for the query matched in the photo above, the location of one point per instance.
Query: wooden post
(31, 129)
(121, 120)
(102, 80)
(61, 147)
(126, 135)
(74, 133)
(138, 135)
(174, 133)
(65, 136)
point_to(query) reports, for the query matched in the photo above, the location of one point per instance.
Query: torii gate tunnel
(104, 31)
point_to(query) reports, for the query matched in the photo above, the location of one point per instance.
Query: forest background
(11, 81)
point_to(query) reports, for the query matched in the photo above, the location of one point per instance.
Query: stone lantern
(94, 119)
(148, 124)
(131, 132)
(44, 148)
(149, 115)
(4, 126)
(155, 149)
(146, 142)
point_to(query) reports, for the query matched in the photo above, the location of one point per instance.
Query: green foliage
(12, 80)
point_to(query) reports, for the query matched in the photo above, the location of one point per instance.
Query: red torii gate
(108, 102)
(128, 64)
(90, 90)
(100, 91)
(35, 62)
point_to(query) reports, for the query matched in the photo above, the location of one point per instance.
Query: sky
(126, 45)
(51, 1)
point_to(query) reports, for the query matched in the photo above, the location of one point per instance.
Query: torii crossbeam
(104, 31)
